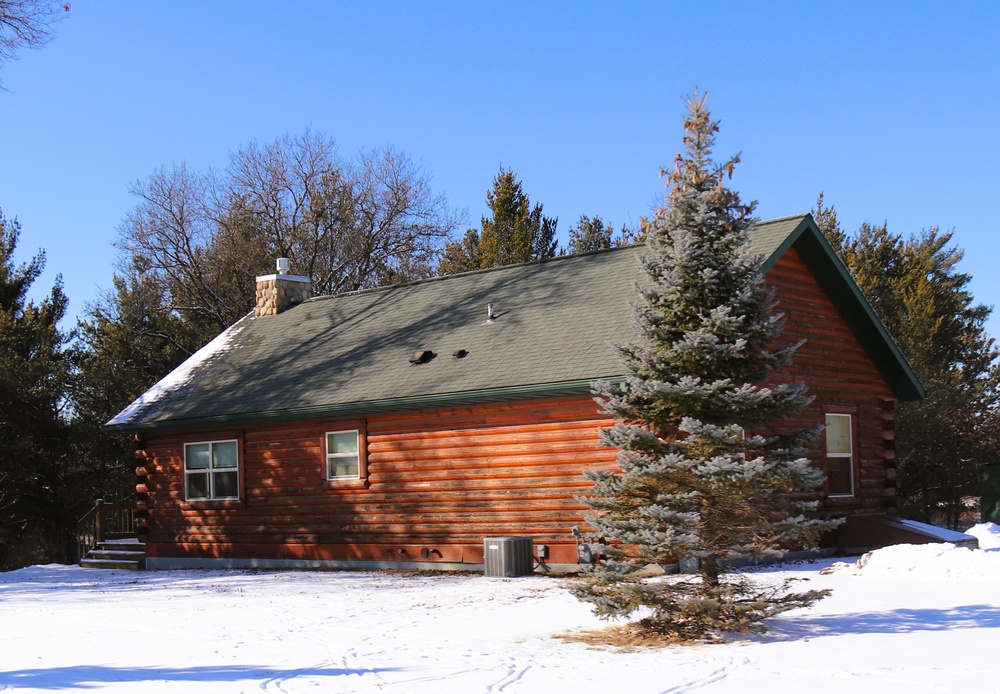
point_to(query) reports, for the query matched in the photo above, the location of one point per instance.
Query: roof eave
(367, 407)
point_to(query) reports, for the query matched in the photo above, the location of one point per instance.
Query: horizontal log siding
(440, 480)
(842, 378)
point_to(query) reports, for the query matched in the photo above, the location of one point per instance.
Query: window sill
(213, 503)
(345, 483)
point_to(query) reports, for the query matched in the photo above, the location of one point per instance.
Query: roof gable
(774, 237)
(555, 325)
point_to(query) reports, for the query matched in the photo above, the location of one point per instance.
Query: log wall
(440, 480)
(843, 379)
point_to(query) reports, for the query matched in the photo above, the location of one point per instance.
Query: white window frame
(849, 456)
(211, 471)
(329, 456)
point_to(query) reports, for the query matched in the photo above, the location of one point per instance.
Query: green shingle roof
(555, 325)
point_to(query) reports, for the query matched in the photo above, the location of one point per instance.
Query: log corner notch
(142, 464)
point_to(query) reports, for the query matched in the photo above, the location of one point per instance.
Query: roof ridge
(783, 219)
(467, 273)
(556, 258)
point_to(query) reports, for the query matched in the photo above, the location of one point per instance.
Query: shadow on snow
(97, 676)
(901, 621)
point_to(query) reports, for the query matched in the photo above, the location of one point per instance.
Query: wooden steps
(116, 554)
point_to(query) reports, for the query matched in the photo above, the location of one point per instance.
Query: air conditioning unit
(508, 556)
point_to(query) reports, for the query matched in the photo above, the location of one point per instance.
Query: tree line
(190, 248)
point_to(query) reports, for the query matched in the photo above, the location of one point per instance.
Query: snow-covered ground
(911, 618)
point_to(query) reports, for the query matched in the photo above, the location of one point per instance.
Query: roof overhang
(458, 399)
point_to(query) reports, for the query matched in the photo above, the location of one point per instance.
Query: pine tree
(34, 440)
(945, 438)
(543, 239)
(515, 233)
(702, 478)
(591, 234)
(826, 220)
(127, 342)
(461, 256)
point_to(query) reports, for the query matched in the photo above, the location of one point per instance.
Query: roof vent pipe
(283, 266)
(489, 312)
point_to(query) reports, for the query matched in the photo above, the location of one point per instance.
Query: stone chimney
(280, 291)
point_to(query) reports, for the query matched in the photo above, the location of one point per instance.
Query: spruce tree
(704, 477)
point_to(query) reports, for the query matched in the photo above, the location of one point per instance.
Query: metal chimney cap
(283, 266)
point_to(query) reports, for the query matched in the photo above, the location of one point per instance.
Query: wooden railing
(108, 520)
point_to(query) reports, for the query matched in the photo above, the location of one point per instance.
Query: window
(211, 470)
(343, 459)
(839, 455)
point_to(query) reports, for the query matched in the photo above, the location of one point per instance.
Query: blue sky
(890, 108)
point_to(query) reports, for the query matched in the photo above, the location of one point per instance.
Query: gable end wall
(842, 378)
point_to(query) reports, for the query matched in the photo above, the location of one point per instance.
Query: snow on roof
(943, 534)
(182, 374)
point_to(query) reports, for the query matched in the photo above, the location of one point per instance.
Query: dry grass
(626, 638)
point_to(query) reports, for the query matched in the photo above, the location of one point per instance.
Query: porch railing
(107, 520)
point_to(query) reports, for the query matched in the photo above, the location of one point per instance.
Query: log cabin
(401, 426)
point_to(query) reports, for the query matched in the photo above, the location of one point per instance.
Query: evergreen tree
(461, 256)
(826, 220)
(702, 478)
(543, 239)
(591, 234)
(515, 233)
(944, 331)
(35, 471)
(127, 342)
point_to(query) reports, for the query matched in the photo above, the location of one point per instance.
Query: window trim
(212, 471)
(852, 456)
(358, 427)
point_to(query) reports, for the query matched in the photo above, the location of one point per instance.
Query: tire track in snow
(731, 665)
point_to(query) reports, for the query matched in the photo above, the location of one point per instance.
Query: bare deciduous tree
(348, 224)
(26, 24)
